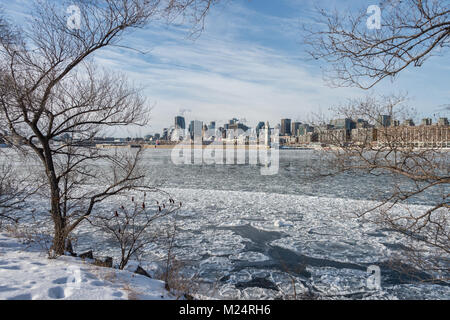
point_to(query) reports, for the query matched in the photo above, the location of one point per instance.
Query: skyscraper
(384, 121)
(285, 127)
(259, 127)
(295, 128)
(180, 123)
(346, 124)
(195, 129)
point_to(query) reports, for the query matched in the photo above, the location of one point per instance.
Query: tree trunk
(59, 220)
(59, 239)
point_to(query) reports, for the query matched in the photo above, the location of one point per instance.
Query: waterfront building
(180, 123)
(363, 135)
(196, 130)
(259, 127)
(346, 124)
(443, 122)
(285, 129)
(295, 128)
(427, 122)
(305, 129)
(267, 134)
(384, 121)
(427, 136)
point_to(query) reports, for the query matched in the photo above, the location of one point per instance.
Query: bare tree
(411, 32)
(134, 228)
(53, 100)
(413, 159)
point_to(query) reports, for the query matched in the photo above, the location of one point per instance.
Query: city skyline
(297, 129)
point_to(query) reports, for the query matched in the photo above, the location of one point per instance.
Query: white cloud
(221, 77)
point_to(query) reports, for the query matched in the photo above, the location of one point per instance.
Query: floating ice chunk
(250, 256)
(282, 223)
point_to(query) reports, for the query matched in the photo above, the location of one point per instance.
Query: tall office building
(165, 135)
(295, 127)
(259, 127)
(346, 124)
(285, 127)
(384, 121)
(180, 123)
(195, 129)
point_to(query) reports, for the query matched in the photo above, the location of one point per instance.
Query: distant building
(180, 123)
(346, 124)
(305, 129)
(415, 136)
(333, 136)
(361, 123)
(233, 121)
(443, 122)
(285, 129)
(384, 121)
(267, 141)
(409, 123)
(196, 130)
(259, 127)
(363, 136)
(295, 128)
(427, 122)
(235, 124)
(165, 135)
(308, 137)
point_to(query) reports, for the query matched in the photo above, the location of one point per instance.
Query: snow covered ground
(27, 274)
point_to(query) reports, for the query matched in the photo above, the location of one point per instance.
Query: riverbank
(26, 273)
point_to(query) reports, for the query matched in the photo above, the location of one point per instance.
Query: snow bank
(27, 274)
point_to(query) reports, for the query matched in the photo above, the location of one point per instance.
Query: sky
(248, 63)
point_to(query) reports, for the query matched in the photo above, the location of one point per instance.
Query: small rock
(107, 263)
(87, 255)
(142, 272)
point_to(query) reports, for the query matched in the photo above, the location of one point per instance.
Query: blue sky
(249, 63)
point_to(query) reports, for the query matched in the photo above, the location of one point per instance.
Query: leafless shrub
(133, 227)
(173, 273)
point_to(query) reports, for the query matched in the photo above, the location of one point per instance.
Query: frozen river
(251, 236)
(252, 233)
